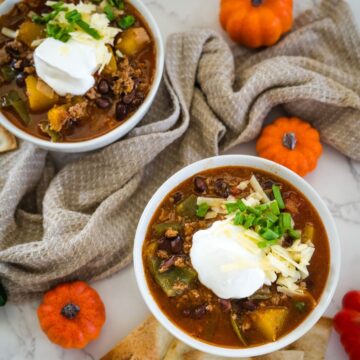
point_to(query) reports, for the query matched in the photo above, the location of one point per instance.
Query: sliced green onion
(253, 210)
(294, 234)
(88, 29)
(126, 22)
(285, 221)
(249, 220)
(239, 218)
(57, 32)
(270, 216)
(120, 4)
(278, 197)
(73, 16)
(274, 207)
(269, 234)
(202, 210)
(109, 12)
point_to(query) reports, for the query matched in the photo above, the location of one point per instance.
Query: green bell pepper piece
(187, 207)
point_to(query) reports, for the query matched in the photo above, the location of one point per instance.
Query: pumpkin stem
(70, 311)
(256, 2)
(289, 140)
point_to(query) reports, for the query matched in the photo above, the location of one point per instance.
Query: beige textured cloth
(79, 222)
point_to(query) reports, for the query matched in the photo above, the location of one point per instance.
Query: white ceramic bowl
(273, 168)
(121, 130)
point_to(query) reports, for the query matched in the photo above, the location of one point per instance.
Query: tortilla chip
(7, 140)
(315, 342)
(149, 341)
(176, 351)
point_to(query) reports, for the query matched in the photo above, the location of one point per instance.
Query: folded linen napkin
(79, 221)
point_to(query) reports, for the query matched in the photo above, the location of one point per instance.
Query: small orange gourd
(291, 142)
(72, 315)
(256, 23)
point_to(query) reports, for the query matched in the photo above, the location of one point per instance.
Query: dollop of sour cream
(227, 262)
(68, 67)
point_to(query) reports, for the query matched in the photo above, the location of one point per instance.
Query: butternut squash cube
(58, 116)
(29, 31)
(132, 41)
(41, 96)
(270, 321)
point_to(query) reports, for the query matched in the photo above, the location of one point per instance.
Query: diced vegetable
(187, 207)
(270, 321)
(132, 41)
(111, 67)
(285, 221)
(8, 73)
(202, 210)
(294, 234)
(12, 99)
(278, 197)
(174, 281)
(39, 100)
(274, 207)
(239, 218)
(300, 306)
(29, 32)
(45, 128)
(109, 12)
(237, 329)
(249, 220)
(58, 116)
(308, 233)
(160, 229)
(126, 22)
(269, 234)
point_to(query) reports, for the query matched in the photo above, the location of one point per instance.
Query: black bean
(225, 304)
(249, 305)
(176, 245)
(222, 188)
(103, 103)
(164, 244)
(103, 86)
(199, 312)
(177, 196)
(287, 242)
(128, 98)
(200, 184)
(121, 111)
(20, 79)
(13, 52)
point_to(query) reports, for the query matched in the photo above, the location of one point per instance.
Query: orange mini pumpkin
(291, 142)
(256, 23)
(72, 315)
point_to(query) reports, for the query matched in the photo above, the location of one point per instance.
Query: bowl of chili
(201, 230)
(61, 107)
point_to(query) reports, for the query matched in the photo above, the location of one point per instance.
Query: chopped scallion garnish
(202, 210)
(126, 22)
(278, 197)
(109, 12)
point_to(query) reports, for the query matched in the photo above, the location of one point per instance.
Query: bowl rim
(119, 131)
(261, 164)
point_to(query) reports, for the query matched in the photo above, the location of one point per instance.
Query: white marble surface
(336, 179)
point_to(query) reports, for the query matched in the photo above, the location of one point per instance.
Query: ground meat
(162, 254)
(29, 70)
(180, 262)
(92, 94)
(79, 110)
(4, 56)
(16, 49)
(123, 82)
(171, 233)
